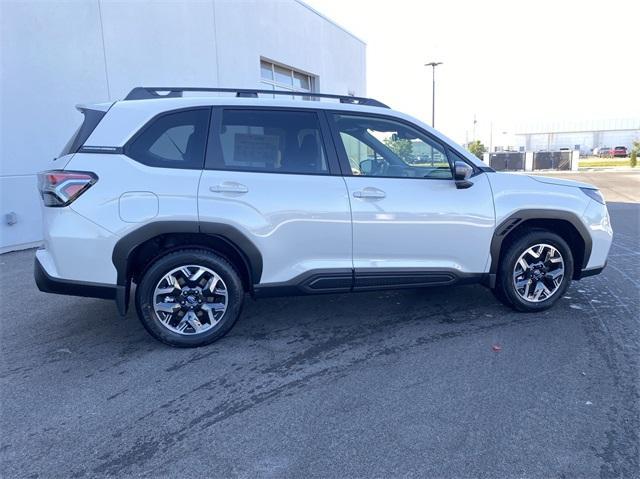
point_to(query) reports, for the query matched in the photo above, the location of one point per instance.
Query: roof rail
(145, 93)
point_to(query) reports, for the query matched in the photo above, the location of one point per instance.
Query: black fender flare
(518, 217)
(127, 244)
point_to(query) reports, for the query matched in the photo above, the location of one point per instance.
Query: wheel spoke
(165, 317)
(165, 291)
(556, 273)
(531, 251)
(212, 308)
(167, 307)
(195, 276)
(216, 307)
(171, 280)
(212, 283)
(182, 325)
(193, 321)
(210, 312)
(523, 264)
(538, 290)
(185, 272)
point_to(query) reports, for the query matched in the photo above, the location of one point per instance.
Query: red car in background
(620, 152)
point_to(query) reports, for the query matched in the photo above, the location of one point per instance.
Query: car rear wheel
(189, 298)
(535, 271)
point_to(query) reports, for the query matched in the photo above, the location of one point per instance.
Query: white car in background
(199, 200)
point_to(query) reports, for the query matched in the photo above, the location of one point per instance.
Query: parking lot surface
(442, 382)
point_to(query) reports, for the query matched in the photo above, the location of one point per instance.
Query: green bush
(633, 158)
(477, 148)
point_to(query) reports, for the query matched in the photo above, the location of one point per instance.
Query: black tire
(500, 296)
(158, 269)
(505, 288)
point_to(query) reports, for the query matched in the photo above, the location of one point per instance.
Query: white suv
(199, 200)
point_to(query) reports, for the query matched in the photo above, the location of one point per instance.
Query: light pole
(433, 66)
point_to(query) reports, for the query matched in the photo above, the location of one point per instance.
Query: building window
(278, 77)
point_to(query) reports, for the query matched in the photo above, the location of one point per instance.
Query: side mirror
(462, 172)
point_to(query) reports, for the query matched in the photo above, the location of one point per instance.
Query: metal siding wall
(55, 55)
(51, 59)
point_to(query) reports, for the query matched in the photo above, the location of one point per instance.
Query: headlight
(594, 195)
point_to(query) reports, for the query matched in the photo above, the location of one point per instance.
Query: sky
(508, 63)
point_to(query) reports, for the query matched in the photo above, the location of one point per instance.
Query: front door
(411, 225)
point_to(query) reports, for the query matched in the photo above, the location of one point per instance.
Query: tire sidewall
(160, 267)
(511, 257)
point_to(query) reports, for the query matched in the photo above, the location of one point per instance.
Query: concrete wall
(54, 55)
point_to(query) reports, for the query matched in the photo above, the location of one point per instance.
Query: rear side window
(173, 140)
(270, 141)
(91, 120)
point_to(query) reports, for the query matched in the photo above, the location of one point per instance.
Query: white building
(55, 55)
(585, 135)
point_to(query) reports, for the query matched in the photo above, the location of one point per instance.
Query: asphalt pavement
(442, 382)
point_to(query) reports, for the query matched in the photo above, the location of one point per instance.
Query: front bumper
(598, 222)
(585, 273)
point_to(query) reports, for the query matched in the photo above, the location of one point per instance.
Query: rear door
(411, 225)
(270, 175)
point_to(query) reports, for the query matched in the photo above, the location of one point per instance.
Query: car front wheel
(535, 271)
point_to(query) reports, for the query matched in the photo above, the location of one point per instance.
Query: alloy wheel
(538, 273)
(190, 299)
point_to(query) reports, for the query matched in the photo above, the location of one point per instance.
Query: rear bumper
(50, 284)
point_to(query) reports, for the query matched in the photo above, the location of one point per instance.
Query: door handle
(229, 187)
(371, 193)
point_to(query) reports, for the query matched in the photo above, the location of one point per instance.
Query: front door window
(391, 149)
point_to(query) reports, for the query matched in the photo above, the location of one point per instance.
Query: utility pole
(433, 66)
(491, 136)
(474, 127)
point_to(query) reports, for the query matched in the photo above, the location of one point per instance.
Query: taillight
(61, 188)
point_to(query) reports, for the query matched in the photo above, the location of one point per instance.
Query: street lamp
(433, 66)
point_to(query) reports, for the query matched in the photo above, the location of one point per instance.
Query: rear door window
(273, 141)
(173, 140)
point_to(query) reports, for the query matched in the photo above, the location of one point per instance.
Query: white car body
(305, 228)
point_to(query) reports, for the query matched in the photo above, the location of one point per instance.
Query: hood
(561, 182)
